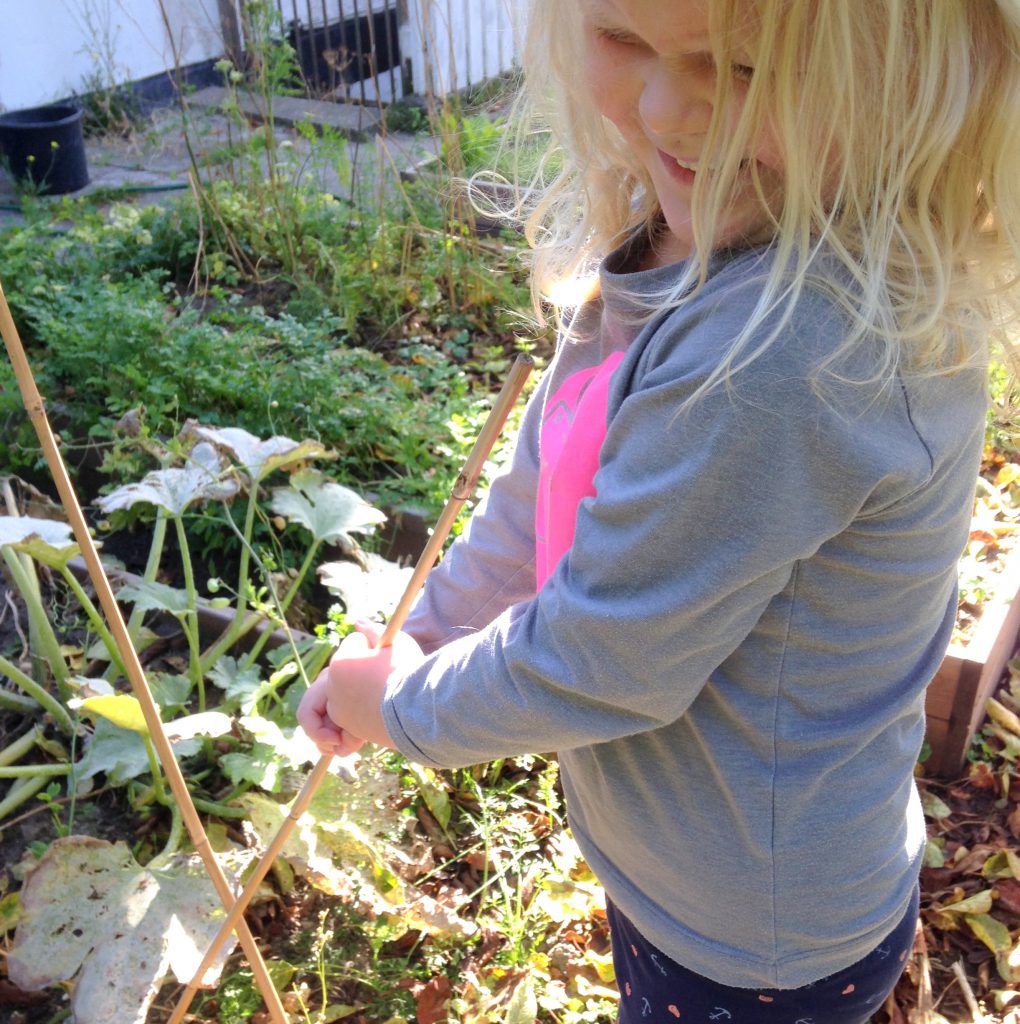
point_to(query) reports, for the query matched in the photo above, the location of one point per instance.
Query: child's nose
(675, 104)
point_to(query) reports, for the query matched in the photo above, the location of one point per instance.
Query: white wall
(50, 48)
(462, 42)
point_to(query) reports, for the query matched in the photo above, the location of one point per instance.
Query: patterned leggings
(655, 990)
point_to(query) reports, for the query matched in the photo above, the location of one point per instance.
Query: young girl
(721, 568)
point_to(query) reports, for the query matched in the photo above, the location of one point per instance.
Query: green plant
(203, 466)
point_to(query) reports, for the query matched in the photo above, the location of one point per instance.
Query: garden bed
(988, 621)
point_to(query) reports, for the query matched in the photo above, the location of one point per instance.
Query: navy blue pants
(654, 989)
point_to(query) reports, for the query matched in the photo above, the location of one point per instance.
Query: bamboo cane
(36, 409)
(462, 490)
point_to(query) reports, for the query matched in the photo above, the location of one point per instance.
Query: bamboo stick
(462, 489)
(36, 409)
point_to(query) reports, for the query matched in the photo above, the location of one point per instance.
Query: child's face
(650, 70)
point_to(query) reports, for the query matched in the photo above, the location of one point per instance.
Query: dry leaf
(93, 914)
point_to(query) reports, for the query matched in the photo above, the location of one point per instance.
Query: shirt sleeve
(698, 521)
(492, 564)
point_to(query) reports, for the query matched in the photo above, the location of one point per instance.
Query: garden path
(153, 162)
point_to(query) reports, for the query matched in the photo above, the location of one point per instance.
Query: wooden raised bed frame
(968, 676)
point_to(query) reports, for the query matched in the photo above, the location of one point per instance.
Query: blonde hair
(898, 124)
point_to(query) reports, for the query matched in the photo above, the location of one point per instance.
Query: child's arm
(492, 564)
(698, 524)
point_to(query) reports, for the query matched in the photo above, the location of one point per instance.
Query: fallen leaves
(968, 952)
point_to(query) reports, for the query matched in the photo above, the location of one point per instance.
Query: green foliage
(102, 295)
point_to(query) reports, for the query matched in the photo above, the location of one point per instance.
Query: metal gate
(347, 46)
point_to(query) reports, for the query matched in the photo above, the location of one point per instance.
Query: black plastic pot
(46, 145)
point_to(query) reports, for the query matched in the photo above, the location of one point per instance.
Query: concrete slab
(350, 119)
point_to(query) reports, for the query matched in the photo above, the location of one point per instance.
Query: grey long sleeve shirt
(731, 656)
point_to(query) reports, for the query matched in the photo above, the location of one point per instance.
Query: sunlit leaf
(1008, 963)
(367, 591)
(995, 935)
(256, 457)
(523, 1005)
(120, 708)
(260, 766)
(329, 511)
(979, 903)
(291, 745)
(92, 914)
(85, 686)
(433, 792)
(175, 489)
(18, 529)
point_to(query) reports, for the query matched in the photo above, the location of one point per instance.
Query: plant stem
(191, 626)
(31, 771)
(157, 773)
(240, 625)
(151, 569)
(46, 700)
(173, 841)
(220, 810)
(46, 639)
(228, 639)
(21, 746)
(94, 618)
(284, 603)
(242, 571)
(20, 792)
(16, 702)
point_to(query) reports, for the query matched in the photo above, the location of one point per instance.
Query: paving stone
(350, 119)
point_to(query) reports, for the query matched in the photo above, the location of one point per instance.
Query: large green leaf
(120, 753)
(201, 479)
(329, 511)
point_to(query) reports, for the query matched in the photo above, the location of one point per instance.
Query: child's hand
(343, 707)
(313, 717)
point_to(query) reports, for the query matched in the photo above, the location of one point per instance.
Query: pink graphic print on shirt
(573, 430)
